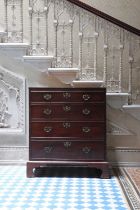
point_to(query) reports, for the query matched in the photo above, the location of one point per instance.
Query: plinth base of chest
(32, 166)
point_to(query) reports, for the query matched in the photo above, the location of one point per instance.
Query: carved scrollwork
(13, 87)
(4, 114)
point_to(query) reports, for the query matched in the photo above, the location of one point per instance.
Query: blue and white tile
(58, 193)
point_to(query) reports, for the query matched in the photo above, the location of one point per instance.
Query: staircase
(59, 43)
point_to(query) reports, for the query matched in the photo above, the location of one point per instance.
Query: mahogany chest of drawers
(67, 126)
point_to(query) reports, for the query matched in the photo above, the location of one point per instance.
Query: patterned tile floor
(134, 176)
(58, 193)
(129, 179)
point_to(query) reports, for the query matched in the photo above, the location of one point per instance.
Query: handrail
(106, 16)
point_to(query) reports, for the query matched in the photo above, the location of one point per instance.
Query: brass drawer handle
(47, 96)
(47, 111)
(48, 149)
(86, 97)
(86, 150)
(66, 108)
(86, 111)
(47, 129)
(67, 144)
(86, 129)
(66, 95)
(66, 125)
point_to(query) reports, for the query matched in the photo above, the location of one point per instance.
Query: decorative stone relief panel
(12, 101)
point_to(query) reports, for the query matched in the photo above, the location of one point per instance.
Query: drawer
(66, 150)
(64, 129)
(71, 111)
(67, 95)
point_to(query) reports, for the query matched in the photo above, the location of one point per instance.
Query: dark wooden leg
(105, 172)
(104, 167)
(33, 169)
(30, 169)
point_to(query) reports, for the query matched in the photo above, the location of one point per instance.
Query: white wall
(127, 11)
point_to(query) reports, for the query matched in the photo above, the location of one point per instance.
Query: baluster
(95, 47)
(55, 41)
(95, 56)
(14, 30)
(46, 18)
(105, 34)
(112, 79)
(31, 28)
(6, 18)
(131, 60)
(71, 43)
(21, 9)
(38, 30)
(58, 11)
(80, 52)
(105, 65)
(121, 68)
(121, 59)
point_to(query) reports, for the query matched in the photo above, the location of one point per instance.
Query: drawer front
(63, 129)
(75, 111)
(67, 96)
(66, 150)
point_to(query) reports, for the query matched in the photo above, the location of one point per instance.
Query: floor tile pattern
(134, 176)
(129, 179)
(58, 193)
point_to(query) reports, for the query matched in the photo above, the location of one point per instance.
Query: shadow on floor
(67, 172)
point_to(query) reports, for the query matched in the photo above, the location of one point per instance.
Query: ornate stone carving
(12, 100)
(4, 114)
(14, 20)
(38, 13)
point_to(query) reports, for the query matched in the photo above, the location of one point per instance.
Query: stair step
(41, 62)
(117, 100)
(16, 50)
(117, 94)
(2, 32)
(64, 75)
(87, 83)
(133, 110)
(2, 35)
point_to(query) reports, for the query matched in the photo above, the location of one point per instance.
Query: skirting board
(116, 156)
